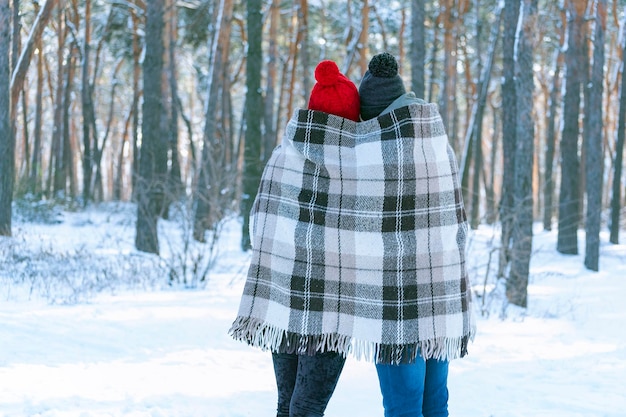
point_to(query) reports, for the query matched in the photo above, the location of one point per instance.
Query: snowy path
(168, 354)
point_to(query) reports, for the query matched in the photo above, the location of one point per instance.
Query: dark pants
(306, 383)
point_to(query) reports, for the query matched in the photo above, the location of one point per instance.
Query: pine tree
(7, 138)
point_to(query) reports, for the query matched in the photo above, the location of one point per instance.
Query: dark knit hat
(334, 93)
(380, 85)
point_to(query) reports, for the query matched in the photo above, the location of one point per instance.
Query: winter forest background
(175, 105)
(133, 134)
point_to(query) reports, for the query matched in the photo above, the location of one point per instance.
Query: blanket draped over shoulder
(359, 235)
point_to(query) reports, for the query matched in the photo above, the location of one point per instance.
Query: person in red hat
(306, 371)
(306, 382)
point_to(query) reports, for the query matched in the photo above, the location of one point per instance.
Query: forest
(162, 101)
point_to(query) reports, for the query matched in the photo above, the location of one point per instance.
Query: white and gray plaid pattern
(359, 234)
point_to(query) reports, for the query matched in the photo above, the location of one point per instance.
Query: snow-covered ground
(137, 348)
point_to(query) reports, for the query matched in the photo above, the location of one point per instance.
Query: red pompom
(327, 72)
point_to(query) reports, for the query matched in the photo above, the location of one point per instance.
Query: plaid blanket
(359, 234)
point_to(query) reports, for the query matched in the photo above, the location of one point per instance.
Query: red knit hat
(334, 93)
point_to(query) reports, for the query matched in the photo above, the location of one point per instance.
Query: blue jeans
(306, 383)
(415, 390)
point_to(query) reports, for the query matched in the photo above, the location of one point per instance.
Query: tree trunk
(98, 150)
(175, 183)
(154, 147)
(19, 75)
(118, 184)
(553, 103)
(56, 157)
(295, 40)
(491, 214)
(16, 36)
(594, 164)
(226, 177)
(7, 139)
(254, 113)
(208, 182)
(616, 189)
(86, 96)
(449, 72)
(433, 61)
(509, 130)
(418, 48)
(364, 57)
(63, 173)
(473, 136)
(477, 141)
(522, 234)
(137, 50)
(553, 106)
(305, 59)
(269, 135)
(15, 46)
(22, 63)
(35, 166)
(567, 240)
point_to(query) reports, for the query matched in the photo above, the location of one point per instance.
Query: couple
(358, 234)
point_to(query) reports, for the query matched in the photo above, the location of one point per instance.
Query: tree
(522, 233)
(548, 192)
(16, 44)
(7, 139)
(212, 164)
(35, 185)
(363, 35)
(269, 121)
(175, 184)
(14, 85)
(153, 153)
(567, 240)
(55, 182)
(449, 16)
(477, 126)
(87, 102)
(509, 131)
(594, 165)
(253, 114)
(78, 117)
(418, 48)
(63, 170)
(473, 137)
(19, 74)
(304, 51)
(616, 188)
(137, 50)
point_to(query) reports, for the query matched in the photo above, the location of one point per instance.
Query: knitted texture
(334, 93)
(380, 86)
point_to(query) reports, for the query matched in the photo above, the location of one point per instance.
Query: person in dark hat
(418, 388)
(307, 367)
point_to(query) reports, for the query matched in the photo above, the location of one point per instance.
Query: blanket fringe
(267, 337)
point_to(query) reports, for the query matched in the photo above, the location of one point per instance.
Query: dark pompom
(383, 65)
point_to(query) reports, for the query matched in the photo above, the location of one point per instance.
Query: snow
(134, 347)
